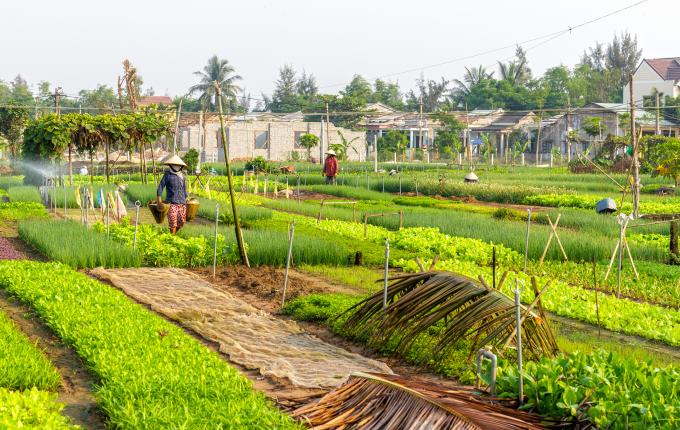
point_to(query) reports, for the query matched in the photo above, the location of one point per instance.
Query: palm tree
(220, 71)
(471, 78)
(514, 72)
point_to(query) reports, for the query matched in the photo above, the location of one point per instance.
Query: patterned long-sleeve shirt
(176, 186)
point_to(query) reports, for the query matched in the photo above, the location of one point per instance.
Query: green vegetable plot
(76, 245)
(31, 409)
(24, 368)
(22, 365)
(607, 390)
(153, 375)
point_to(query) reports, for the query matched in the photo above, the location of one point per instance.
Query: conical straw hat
(175, 160)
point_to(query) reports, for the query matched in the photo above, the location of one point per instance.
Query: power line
(550, 36)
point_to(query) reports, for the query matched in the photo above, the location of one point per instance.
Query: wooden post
(401, 219)
(597, 305)
(633, 141)
(230, 179)
(674, 238)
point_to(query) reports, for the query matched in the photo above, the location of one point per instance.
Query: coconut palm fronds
(376, 401)
(454, 306)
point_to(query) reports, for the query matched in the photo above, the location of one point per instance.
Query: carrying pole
(290, 253)
(217, 220)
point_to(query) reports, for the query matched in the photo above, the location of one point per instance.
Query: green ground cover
(152, 374)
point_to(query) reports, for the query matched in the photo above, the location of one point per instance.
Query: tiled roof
(667, 68)
(155, 100)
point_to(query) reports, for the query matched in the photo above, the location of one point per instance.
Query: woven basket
(159, 211)
(192, 209)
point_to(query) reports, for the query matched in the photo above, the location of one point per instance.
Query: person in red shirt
(330, 167)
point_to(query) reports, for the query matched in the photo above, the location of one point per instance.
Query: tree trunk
(153, 164)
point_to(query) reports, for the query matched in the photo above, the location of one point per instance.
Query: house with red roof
(154, 100)
(654, 75)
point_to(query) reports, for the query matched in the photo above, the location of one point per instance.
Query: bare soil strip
(278, 348)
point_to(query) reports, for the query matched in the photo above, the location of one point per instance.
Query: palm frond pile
(456, 307)
(376, 401)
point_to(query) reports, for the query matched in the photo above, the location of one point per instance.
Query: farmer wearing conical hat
(330, 167)
(175, 185)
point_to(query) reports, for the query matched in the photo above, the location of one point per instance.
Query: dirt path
(77, 383)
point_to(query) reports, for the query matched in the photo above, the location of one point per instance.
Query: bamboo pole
(230, 179)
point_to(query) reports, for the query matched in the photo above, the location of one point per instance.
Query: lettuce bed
(152, 374)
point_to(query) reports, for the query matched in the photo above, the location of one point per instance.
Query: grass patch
(75, 245)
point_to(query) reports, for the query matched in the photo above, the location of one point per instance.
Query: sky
(78, 44)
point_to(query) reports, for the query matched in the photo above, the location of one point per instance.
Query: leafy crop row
(14, 211)
(75, 245)
(603, 388)
(22, 365)
(24, 193)
(152, 374)
(472, 257)
(31, 409)
(27, 383)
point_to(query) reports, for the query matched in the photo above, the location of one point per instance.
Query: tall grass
(75, 245)
(24, 193)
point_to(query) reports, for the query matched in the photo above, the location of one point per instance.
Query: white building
(656, 74)
(274, 137)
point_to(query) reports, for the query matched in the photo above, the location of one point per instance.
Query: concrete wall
(645, 81)
(271, 140)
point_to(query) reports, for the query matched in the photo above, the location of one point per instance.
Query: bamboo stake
(230, 179)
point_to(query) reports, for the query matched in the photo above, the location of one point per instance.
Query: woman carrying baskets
(175, 185)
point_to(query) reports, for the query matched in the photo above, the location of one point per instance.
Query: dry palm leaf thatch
(376, 401)
(456, 307)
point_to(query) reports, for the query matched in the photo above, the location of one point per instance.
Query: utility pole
(420, 124)
(568, 130)
(633, 142)
(538, 135)
(57, 96)
(230, 179)
(328, 130)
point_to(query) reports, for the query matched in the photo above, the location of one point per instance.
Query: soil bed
(266, 295)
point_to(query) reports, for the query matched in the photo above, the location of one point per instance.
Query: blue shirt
(176, 186)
